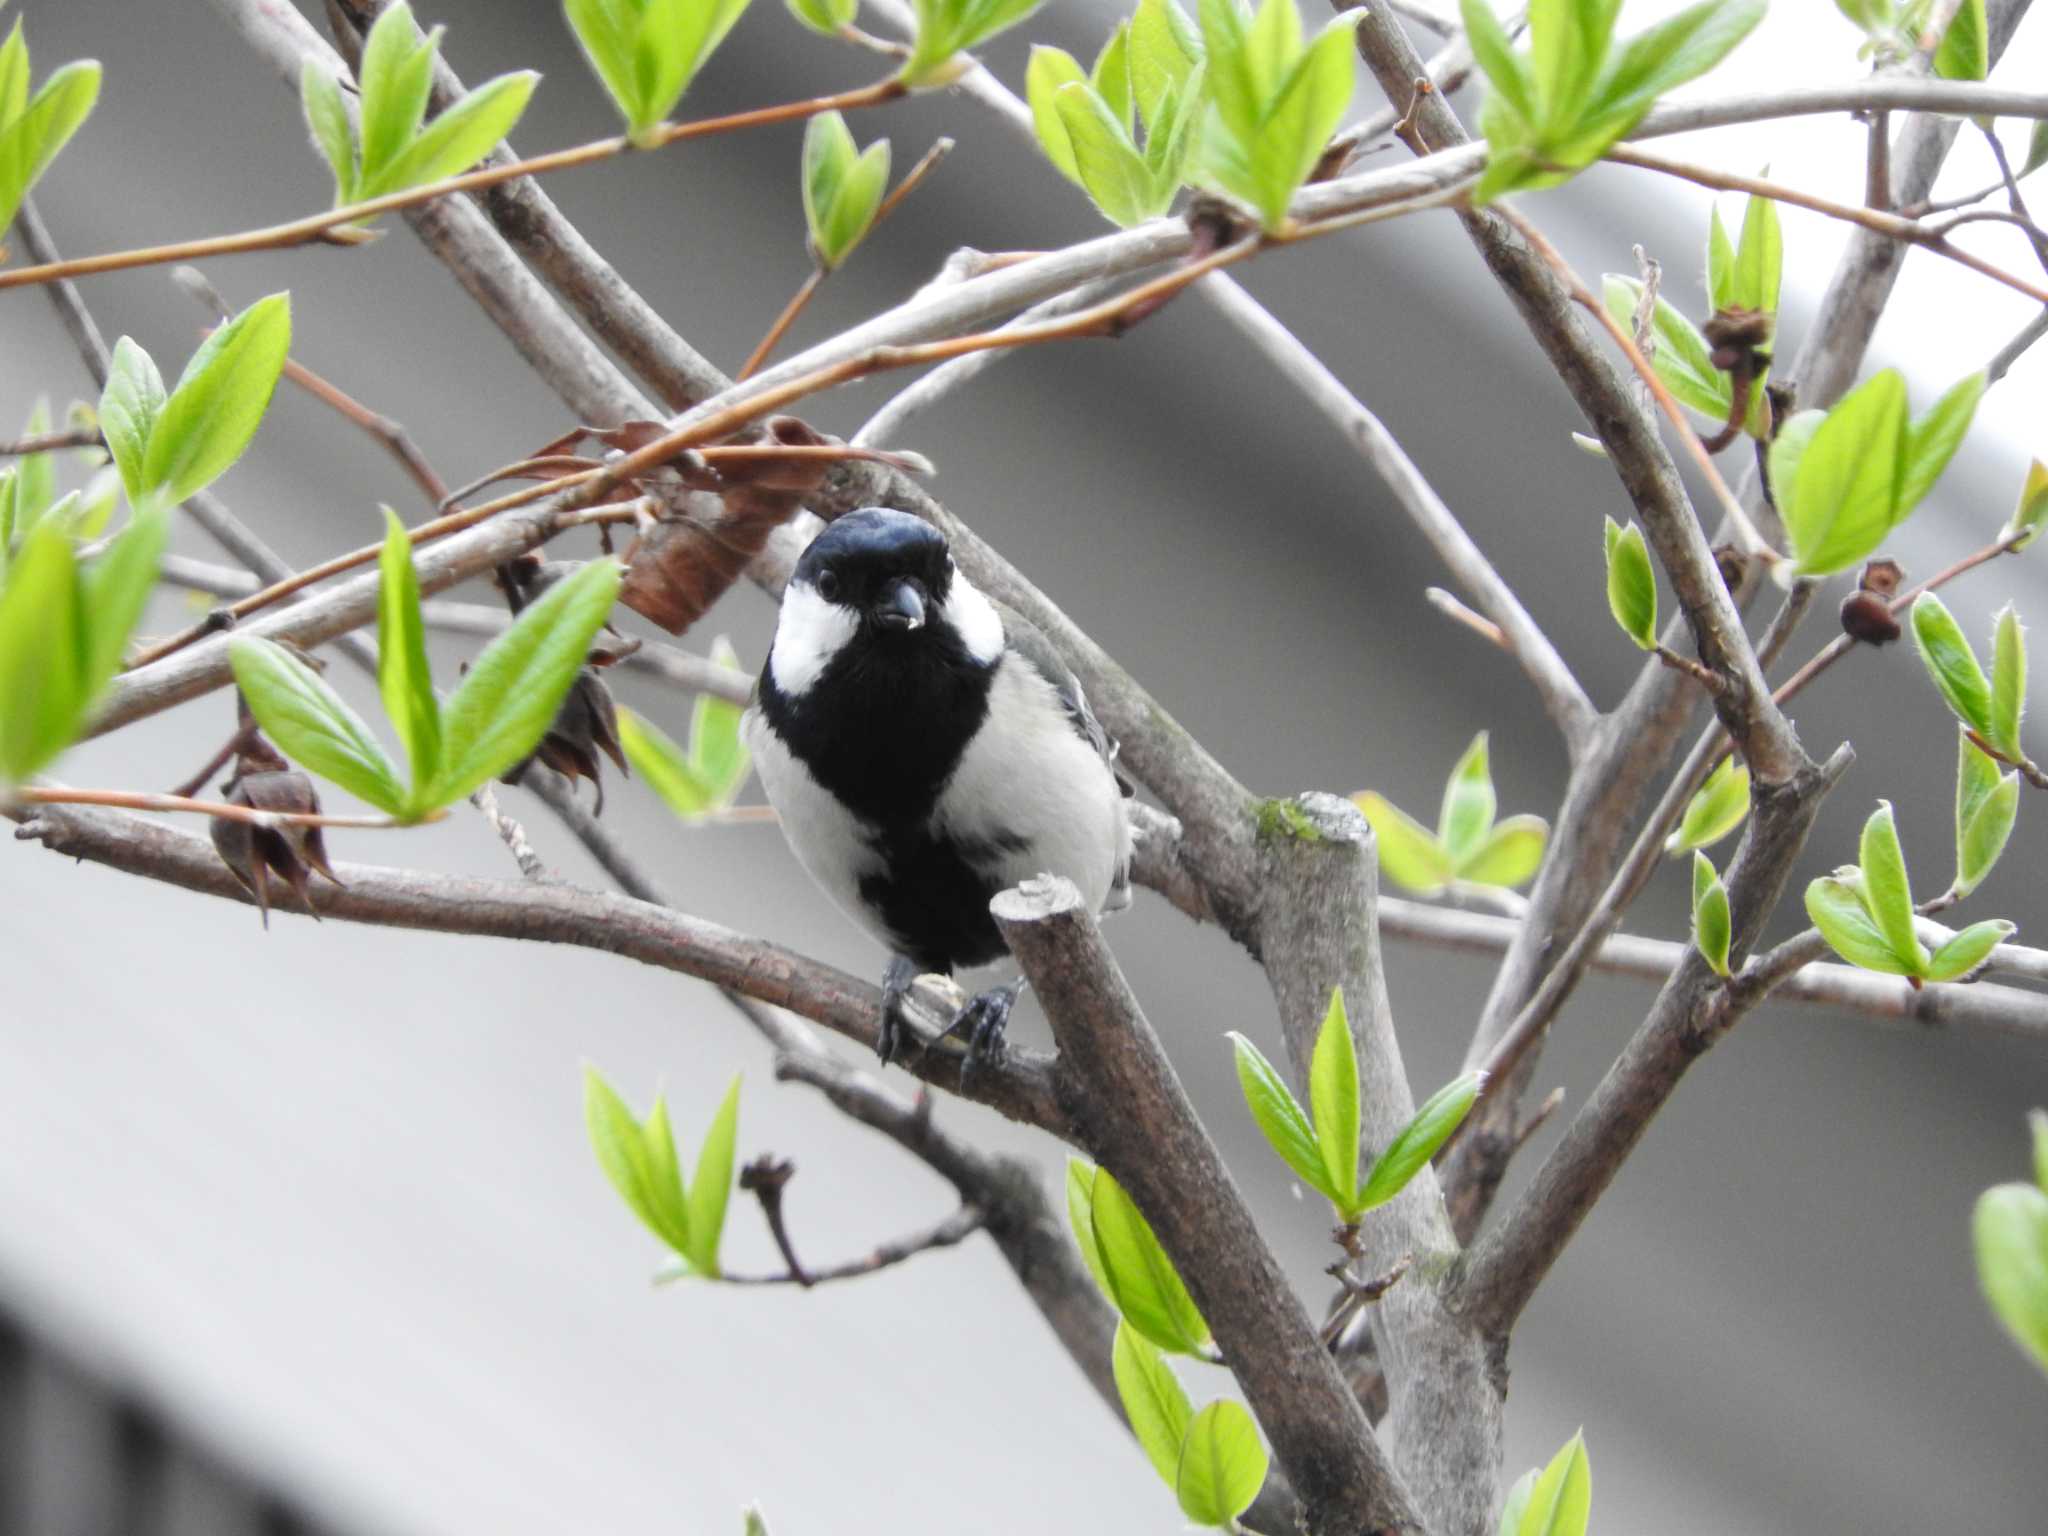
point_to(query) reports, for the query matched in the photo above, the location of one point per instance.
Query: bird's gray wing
(1030, 644)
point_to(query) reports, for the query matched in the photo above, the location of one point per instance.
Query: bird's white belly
(829, 840)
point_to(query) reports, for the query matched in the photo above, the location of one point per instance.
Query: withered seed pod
(586, 724)
(255, 853)
(1867, 612)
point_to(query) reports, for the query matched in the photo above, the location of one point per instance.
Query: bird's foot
(983, 1021)
(896, 982)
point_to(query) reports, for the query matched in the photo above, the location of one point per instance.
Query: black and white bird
(926, 748)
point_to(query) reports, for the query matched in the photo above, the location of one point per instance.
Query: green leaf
(1963, 953)
(220, 400)
(113, 590)
(327, 117)
(1311, 103)
(2024, 526)
(511, 695)
(1664, 57)
(14, 73)
(853, 211)
(1142, 1281)
(1517, 1502)
(2008, 683)
(755, 1524)
(1285, 1125)
(128, 410)
(842, 188)
(1760, 262)
(1333, 1100)
(1720, 261)
(1110, 167)
(718, 752)
(1510, 854)
(312, 725)
(1965, 49)
(660, 762)
(1153, 1399)
(1081, 1218)
(1987, 805)
(1496, 56)
(1631, 586)
(1951, 663)
(1164, 51)
(42, 687)
(35, 485)
(2037, 1121)
(1839, 506)
(1682, 358)
(949, 27)
(461, 136)
(1836, 907)
(395, 78)
(605, 31)
(1277, 103)
(824, 16)
(1887, 894)
(2009, 1228)
(1417, 1142)
(1049, 69)
(1111, 76)
(1711, 926)
(1222, 1462)
(1788, 449)
(1569, 41)
(711, 1184)
(1410, 855)
(402, 675)
(1562, 1500)
(1469, 803)
(31, 141)
(1933, 440)
(2037, 149)
(1715, 811)
(623, 1151)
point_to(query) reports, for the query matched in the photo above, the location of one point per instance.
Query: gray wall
(322, 1197)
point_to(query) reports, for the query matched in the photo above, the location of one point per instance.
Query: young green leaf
(1631, 586)
(35, 483)
(1153, 1399)
(1963, 953)
(1277, 102)
(31, 135)
(327, 117)
(1410, 855)
(1836, 906)
(1507, 74)
(112, 592)
(1222, 1464)
(1562, 1500)
(1717, 810)
(220, 400)
(312, 725)
(1280, 1117)
(664, 1174)
(2027, 517)
(657, 759)
(754, 1522)
(402, 675)
(1111, 76)
(1417, 1141)
(828, 17)
(1165, 50)
(2008, 682)
(842, 187)
(396, 77)
(1838, 506)
(1517, 1502)
(1683, 359)
(717, 749)
(1109, 165)
(508, 700)
(1142, 1282)
(1933, 440)
(1951, 663)
(1987, 805)
(1509, 855)
(1711, 925)
(1569, 44)
(711, 1184)
(2037, 1122)
(42, 689)
(1887, 894)
(946, 28)
(461, 136)
(1081, 1218)
(1760, 261)
(1469, 802)
(2009, 1229)
(128, 411)
(646, 52)
(624, 1153)
(1680, 48)
(1720, 261)
(1049, 69)
(1333, 1100)
(1965, 49)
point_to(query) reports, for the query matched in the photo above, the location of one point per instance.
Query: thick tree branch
(1130, 1111)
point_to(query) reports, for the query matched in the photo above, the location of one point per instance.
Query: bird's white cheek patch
(808, 635)
(974, 619)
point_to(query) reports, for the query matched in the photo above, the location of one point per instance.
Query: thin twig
(144, 800)
(52, 442)
(783, 321)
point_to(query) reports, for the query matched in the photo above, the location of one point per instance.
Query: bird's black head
(888, 569)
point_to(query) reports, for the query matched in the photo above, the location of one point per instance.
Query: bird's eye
(828, 586)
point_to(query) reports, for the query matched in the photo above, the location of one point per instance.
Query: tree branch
(1129, 1110)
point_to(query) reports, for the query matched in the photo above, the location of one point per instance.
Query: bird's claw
(896, 982)
(983, 1020)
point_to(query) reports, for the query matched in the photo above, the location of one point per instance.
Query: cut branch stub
(679, 568)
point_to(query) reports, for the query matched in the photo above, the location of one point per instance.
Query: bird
(925, 747)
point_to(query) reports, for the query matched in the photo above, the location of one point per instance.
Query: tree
(1291, 880)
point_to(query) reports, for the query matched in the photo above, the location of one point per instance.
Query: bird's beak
(901, 605)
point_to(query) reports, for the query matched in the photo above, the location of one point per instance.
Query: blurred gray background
(316, 1204)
